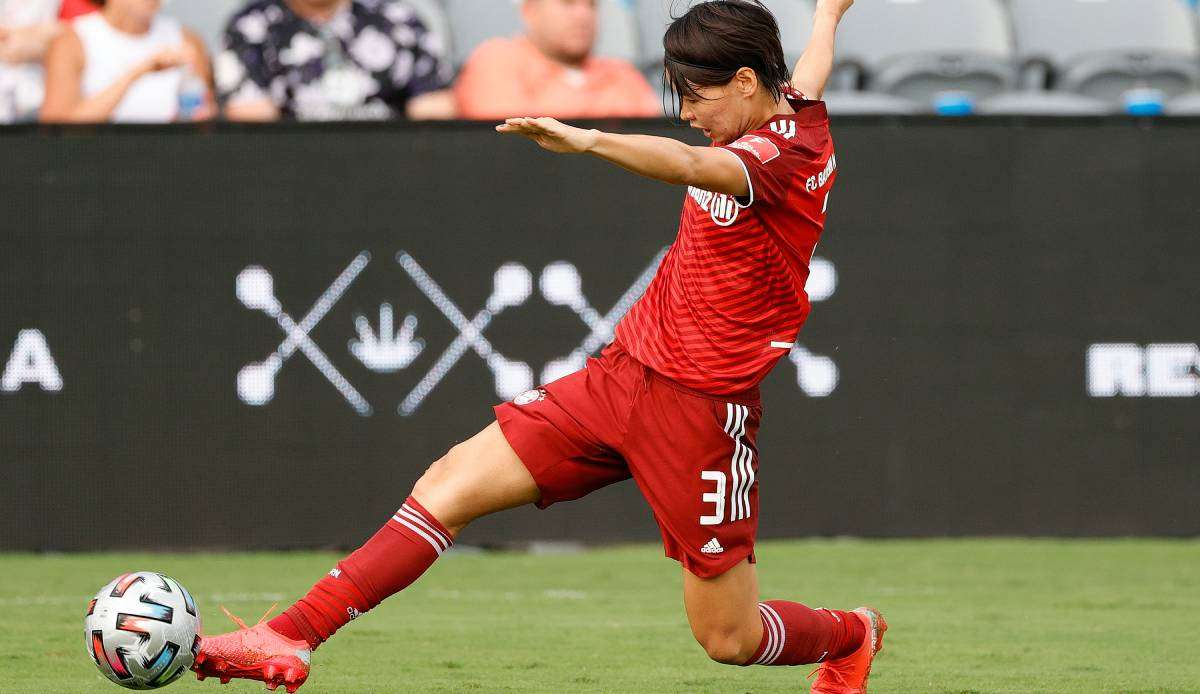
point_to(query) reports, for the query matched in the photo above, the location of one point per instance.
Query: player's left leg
(477, 477)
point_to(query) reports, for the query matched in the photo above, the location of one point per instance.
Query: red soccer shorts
(692, 455)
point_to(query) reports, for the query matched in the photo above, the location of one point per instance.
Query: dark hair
(713, 40)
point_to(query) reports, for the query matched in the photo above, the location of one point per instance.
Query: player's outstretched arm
(661, 158)
(816, 63)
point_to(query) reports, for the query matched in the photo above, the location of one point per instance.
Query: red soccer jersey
(729, 299)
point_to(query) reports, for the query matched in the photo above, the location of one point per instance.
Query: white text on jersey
(819, 181)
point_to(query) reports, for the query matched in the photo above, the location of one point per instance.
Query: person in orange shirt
(550, 71)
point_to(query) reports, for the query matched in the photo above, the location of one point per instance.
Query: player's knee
(442, 493)
(442, 473)
(725, 646)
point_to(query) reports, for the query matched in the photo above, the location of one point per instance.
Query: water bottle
(192, 93)
(953, 103)
(1144, 101)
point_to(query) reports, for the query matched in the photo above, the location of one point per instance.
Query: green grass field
(966, 616)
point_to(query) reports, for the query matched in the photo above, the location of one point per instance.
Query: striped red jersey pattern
(728, 300)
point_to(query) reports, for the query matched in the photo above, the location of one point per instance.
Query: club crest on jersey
(721, 207)
(763, 149)
(529, 397)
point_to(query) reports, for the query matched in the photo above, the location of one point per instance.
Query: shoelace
(238, 620)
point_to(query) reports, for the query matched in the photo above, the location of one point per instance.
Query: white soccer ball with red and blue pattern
(142, 630)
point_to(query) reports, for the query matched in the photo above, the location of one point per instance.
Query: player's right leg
(478, 477)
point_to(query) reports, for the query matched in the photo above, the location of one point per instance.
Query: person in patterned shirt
(673, 402)
(322, 60)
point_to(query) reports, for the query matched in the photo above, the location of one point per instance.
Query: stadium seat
(1105, 48)
(847, 103)
(653, 16)
(1040, 103)
(921, 49)
(207, 18)
(474, 21)
(1187, 105)
(618, 30)
(795, 19)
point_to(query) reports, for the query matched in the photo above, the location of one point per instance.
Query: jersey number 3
(716, 497)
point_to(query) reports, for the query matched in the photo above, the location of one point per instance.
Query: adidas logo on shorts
(712, 547)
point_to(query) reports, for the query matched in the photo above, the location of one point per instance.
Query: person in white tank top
(126, 63)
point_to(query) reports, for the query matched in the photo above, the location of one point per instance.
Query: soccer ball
(142, 629)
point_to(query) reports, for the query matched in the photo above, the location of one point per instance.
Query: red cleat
(253, 653)
(849, 675)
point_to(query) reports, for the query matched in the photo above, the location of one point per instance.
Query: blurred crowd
(129, 61)
(262, 60)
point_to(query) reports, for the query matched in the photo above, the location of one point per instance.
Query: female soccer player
(673, 401)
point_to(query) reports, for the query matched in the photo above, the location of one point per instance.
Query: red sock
(797, 635)
(388, 563)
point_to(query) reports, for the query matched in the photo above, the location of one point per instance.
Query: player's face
(716, 111)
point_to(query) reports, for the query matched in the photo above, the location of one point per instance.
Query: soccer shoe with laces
(849, 674)
(253, 653)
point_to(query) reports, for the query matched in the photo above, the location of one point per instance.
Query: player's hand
(550, 134)
(837, 7)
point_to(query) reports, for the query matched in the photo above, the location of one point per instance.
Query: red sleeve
(763, 160)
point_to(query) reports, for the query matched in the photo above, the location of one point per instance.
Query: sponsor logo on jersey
(336, 573)
(721, 207)
(530, 396)
(1169, 370)
(712, 547)
(763, 149)
(353, 613)
(817, 182)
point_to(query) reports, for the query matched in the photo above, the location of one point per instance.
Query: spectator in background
(26, 29)
(127, 63)
(332, 60)
(550, 71)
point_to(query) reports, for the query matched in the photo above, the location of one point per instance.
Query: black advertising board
(193, 329)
